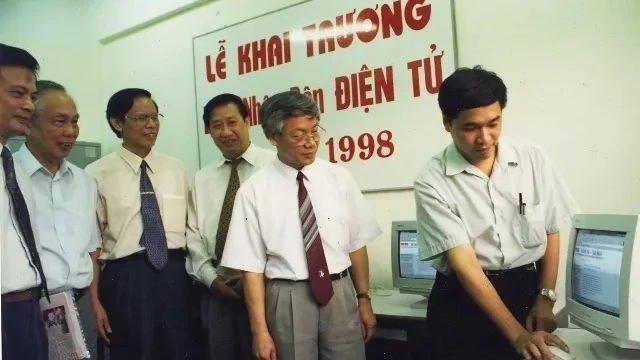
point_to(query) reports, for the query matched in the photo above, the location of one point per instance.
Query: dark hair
(42, 87)
(220, 100)
(121, 102)
(13, 56)
(470, 88)
(282, 106)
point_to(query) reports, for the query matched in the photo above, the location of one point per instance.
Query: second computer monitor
(410, 274)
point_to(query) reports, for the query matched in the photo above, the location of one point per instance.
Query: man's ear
(116, 123)
(273, 141)
(447, 123)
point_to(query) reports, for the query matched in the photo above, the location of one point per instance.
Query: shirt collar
(31, 165)
(310, 171)
(134, 161)
(455, 163)
(250, 155)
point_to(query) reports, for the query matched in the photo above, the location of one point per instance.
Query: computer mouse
(561, 354)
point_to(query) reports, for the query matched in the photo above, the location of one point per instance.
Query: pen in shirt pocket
(521, 206)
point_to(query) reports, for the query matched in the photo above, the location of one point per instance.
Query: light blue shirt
(66, 220)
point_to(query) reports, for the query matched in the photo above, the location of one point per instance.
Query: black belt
(334, 277)
(142, 255)
(519, 269)
(23, 295)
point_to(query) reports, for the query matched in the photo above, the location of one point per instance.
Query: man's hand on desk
(541, 317)
(534, 345)
(367, 318)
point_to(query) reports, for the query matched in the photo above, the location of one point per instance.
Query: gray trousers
(302, 330)
(226, 323)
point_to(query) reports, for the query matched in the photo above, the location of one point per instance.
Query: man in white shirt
(224, 315)
(303, 224)
(23, 279)
(142, 306)
(65, 198)
(489, 211)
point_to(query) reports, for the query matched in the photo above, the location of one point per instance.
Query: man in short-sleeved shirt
(277, 233)
(489, 210)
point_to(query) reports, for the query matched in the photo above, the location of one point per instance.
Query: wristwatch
(549, 294)
(364, 295)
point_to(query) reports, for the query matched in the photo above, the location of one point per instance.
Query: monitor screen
(410, 265)
(595, 273)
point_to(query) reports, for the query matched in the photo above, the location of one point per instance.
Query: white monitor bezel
(405, 285)
(615, 329)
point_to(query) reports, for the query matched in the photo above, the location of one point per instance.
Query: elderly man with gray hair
(303, 224)
(65, 198)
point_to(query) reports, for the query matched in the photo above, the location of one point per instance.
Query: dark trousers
(23, 333)
(148, 309)
(226, 324)
(458, 329)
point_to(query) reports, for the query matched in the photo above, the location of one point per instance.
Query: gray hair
(282, 106)
(42, 87)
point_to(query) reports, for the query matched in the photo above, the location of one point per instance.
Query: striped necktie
(319, 276)
(227, 208)
(22, 214)
(153, 237)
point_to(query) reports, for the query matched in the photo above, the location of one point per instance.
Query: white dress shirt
(18, 272)
(118, 179)
(265, 234)
(207, 196)
(66, 221)
(457, 204)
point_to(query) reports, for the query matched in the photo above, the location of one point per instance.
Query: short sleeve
(561, 205)
(363, 227)
(439, 228)
(245, 249)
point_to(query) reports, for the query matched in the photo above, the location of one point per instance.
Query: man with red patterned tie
(303, 224)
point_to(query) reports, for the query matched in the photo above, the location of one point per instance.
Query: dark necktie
(153, 238)
(22, 214)
(319, 277)
(227, 208)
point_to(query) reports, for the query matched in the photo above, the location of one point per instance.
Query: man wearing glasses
(141, 301)
(224, 315)
(303, 224)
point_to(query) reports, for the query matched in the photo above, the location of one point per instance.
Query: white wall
(570, 67)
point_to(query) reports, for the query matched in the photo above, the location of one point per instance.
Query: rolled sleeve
(245, 249)
(439, 228)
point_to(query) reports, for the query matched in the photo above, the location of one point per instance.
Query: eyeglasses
(301, 138)
(143, 119)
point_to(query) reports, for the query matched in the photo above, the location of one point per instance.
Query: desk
(399, 320)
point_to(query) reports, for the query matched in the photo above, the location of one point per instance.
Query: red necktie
(319, 276)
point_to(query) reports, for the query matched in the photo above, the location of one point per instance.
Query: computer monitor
(603, 282)
(410, 274)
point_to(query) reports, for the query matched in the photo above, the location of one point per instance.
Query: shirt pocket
(174, 213)
(530, 227)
